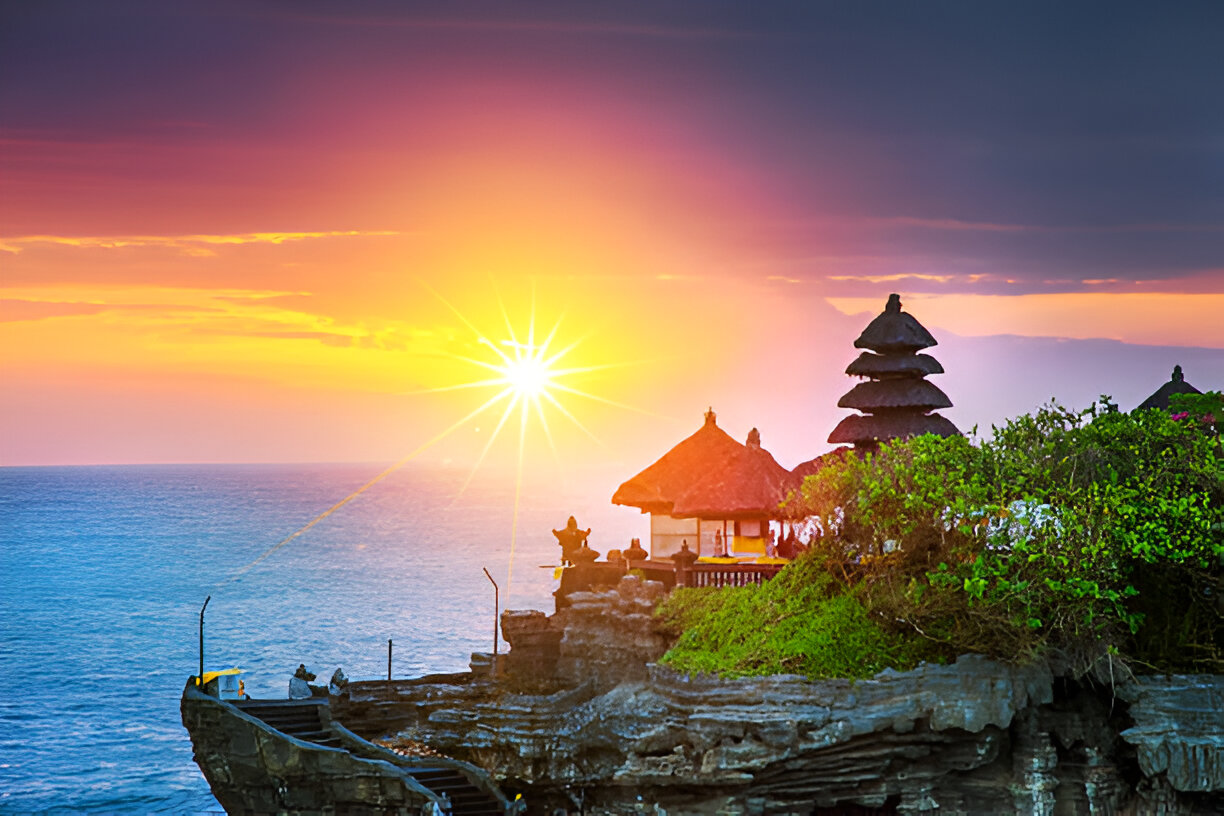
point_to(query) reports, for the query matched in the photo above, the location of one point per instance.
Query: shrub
(1066, 530)
(801, 622)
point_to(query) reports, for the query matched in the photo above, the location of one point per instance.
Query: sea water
(103, 571)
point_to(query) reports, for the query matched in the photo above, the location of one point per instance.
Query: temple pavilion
(1176, 385)
(896, 400)
(707, 487)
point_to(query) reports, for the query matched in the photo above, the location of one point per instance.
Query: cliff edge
(582, 718)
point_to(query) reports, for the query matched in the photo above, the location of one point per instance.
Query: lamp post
(200, 679)
(496, 608)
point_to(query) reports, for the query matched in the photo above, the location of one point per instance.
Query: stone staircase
(296, 718)
(303, 719)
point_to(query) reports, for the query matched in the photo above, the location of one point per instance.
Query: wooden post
(388, 660)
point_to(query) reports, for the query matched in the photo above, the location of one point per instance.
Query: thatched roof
(880, 366)
(894, 331)
(858, 429)
(1176, 385)
(895, 393)
(750, 486)
(709, 475)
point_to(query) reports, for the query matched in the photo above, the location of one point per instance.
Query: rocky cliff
(582, 719)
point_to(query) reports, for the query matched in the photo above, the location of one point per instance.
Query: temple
(710, 491)
(896, 400)
(1176, 385)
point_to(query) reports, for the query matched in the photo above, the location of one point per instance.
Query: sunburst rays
(527, 376)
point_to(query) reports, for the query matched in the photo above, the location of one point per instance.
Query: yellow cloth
(710, 559)
(748, 545)
(557, 573)
(767, 559)
(212, 675)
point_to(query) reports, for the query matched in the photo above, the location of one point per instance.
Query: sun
(530, 379)
(529, 376)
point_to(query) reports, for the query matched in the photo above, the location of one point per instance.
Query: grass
(802, 622)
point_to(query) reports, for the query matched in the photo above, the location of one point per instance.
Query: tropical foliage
(1073, 534)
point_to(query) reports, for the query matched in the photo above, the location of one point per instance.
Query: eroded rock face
(699, 745)
(1179, 729)
(623, 735)
(609, 637)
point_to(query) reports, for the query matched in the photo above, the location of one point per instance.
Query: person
(299, 684)
(771, 546)
(720, 548)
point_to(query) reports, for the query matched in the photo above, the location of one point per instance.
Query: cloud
(206, 313)
(958, 225)
(904, 276)
(196, 245)
(15, 310)
(540, 26)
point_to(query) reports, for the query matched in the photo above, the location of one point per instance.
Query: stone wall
(609, 637)
(604, 637)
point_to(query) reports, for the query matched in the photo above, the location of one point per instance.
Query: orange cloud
(197, 245)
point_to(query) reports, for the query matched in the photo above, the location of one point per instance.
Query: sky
(275, 231)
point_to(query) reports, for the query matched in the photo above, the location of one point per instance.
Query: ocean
(104, 571)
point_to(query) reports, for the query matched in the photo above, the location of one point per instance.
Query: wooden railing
(726, 575)
(602, 576)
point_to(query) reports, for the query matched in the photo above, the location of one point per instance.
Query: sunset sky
(268, 231)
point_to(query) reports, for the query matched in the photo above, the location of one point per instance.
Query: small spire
(1177, 374)
(754, 438)
(709, 416)
(894, 303)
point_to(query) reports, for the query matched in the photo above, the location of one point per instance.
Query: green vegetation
(802, 622)
(1069, 534)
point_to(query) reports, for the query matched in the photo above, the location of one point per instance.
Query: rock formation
(595, 725)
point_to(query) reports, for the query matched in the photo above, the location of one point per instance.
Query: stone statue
(571, 539)
(635, 551)
(686, 557)
(584, 554)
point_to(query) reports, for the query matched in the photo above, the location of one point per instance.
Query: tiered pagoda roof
(896, 400)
